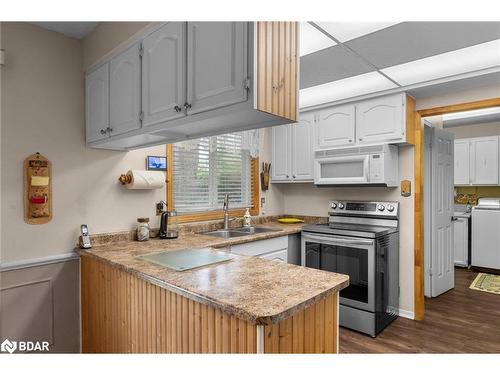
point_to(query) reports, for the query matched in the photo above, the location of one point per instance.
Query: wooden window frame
(212, 215)
(419, 300)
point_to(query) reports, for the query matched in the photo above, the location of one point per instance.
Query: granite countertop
(258, 290)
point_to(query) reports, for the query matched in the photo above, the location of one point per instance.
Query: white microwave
(376, 165)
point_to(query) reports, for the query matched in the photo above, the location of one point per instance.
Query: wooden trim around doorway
(419, 302)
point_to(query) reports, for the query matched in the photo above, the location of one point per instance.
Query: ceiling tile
(344, 31)
(330, 65)
(465, 60)
(469, 83)
(344, 88)
(312, 40)
(410, 41)
(78, 30)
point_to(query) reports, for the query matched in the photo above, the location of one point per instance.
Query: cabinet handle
(294, 176)
(108, 129)
(360, 139)
(177, 108)
(287, 176)
(103, 132)
(187, 105)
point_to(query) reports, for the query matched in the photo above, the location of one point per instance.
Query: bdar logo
(8, 346)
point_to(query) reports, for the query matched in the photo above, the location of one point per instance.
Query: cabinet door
(484, 161)
(462, 162)
(302, 150)
(381, 120)
(164, 74)
(280, 159)
(97, 103)
(335, 127)
(460, 241)
(125, 91)
(217, 64)
(277, 256)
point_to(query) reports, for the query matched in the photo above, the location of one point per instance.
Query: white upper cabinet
(292, 151)
(302, 148)
(164, 74)
(281, 163)
(97, 103)
(462, 162)
(125, 91)
(217, 65)
(484, 161)
(381, 120)
(335, 127)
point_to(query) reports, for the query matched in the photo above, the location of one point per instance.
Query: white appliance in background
(376, 165)
(486, 233)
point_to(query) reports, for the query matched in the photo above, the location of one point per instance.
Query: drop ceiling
(408, 55)
(78, 30)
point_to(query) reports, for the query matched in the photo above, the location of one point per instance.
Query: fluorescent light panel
(464, 60)
(312, 40)
(344, 88)
(468, 114)
(344, 31)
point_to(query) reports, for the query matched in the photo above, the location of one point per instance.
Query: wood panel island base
(244, 305)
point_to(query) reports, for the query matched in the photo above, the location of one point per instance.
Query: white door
(217, 64)
(125, 91)
(460, 241)
(442, 262)
(164, 74)
(335, 127)
(281, 154)
(484, 161)
(97, 103)
(381, 120)
(302, 150)
(462, 162)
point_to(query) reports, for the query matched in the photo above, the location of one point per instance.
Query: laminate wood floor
(461, 320)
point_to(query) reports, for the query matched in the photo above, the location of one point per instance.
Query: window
(202, 171)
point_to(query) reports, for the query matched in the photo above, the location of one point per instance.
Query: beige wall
(43, 110)
(107, 36)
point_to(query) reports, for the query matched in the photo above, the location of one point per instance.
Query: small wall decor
(264, 176)
(37, 189)
(405, 188)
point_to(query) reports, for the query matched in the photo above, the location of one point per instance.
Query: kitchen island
(245, 305)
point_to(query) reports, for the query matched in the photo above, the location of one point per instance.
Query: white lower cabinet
(273, 249)
(461, 241)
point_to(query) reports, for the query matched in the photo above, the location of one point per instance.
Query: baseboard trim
(36, 262)
(407, 314)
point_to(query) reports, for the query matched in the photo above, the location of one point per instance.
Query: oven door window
(349, 261)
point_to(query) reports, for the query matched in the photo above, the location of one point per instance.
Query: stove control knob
(333, 205)
(341, 206)
(390, 208)
(381, 207)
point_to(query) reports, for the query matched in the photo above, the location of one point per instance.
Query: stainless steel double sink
(240, 232)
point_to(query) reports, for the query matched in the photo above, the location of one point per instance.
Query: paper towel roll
(146, 179)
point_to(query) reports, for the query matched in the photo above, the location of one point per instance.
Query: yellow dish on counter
(290, 220)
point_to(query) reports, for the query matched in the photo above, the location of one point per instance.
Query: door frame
(419, 302)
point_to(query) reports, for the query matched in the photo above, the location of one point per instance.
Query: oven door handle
(339, 241)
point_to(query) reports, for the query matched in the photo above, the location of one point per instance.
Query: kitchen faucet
(225, 207)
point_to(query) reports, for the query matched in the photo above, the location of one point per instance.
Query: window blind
(205, 169)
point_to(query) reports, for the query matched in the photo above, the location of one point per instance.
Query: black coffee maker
(169, 225)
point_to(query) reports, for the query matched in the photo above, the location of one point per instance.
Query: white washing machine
(486, 233)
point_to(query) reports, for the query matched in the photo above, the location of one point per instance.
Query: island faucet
(225, 207)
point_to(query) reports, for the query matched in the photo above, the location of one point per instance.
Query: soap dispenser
(247, 218)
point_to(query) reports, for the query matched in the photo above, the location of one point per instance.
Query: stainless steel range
(361, 240)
